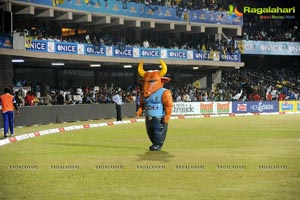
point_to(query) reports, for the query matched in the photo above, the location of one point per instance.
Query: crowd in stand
(275, 30)
(267, 83)
(266, 28)
(186, 4)
(237, 85)
(249, 84)
(201, 43)
(254, 28)
(42, 95)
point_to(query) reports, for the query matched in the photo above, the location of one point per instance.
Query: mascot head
(153, 80)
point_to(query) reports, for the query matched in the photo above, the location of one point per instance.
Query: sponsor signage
(186, 108)
(148, 53)
(38, 45)
(206, 108)
(270, 48)
(288, 106)
(6, 42)
(197, 108)
(222, 107)
(64, 47)
(263, 106)
(127, 52)
(177, 54)
(95, 50)
(254, 106)
(123, 52)
(233, 57)
(241, 107)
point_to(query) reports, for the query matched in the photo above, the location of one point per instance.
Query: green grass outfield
(253, 157)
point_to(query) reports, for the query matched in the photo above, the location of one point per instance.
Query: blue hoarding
(126, 52)
(269, 48)
(149, 53)
(66, 47)
(176, 54)
(94, 50)
(255, 106)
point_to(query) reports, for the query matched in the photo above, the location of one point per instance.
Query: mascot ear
(165, 79)
(141, 81)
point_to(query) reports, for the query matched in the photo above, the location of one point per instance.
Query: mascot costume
(156, 103)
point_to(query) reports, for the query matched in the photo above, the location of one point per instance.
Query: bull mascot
(156, 103)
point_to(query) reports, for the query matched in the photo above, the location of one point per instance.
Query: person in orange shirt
(29, 99)
(256, 97)
(269, 97)
(8, 103)
(281, 96)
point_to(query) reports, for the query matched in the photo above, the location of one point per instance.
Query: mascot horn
(156, 103)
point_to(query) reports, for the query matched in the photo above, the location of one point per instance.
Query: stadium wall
(68, 113)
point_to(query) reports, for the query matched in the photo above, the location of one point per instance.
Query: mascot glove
(166, 119)
(139, 112)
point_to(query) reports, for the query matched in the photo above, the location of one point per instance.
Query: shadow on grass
(156, 156)
(98, 146)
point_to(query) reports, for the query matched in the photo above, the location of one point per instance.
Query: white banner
(197, 108)
(186, 108)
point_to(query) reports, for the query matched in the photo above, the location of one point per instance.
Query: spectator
(269, 97)
(179, 98)
(29, 99)
(60, 98)
(19, 99)
(186, 97)
(256, 96)
(47, 99)
(281, 96)
(146, 44)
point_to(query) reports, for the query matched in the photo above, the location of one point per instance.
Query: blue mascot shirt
(153, 104)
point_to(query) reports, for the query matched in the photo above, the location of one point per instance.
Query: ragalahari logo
(233, 12)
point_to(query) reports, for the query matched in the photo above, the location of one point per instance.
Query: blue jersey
(153, 104)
